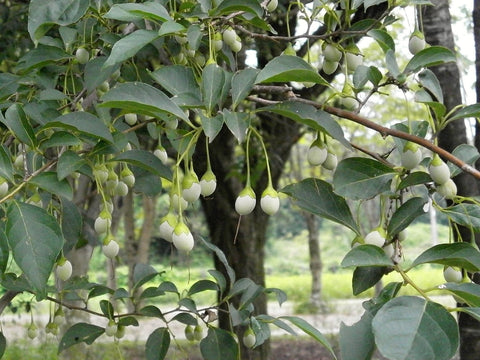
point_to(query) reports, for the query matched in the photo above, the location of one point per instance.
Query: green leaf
(411, 328)
(383, 39)
(188, 304)
(472, 311)
(83, 122)
(219, 344)
(311, 331)
(261, 331)
(310, 116)
(430, 82)
(6, 166)
(41, 56)
(96, 72)
(213, 79)
(170, 27)
(405, 214)
(141, 98)
(229, 6)
(363, 74)
(221, 257)
(176, 79)
(317, 196)
(133, 12)
(151, 311)
(470, 292)
(107, 308)
(414, 178)
(424, 97)
(146, 182)
(157, 344)
(459, 254)
(48, 181)
(364, 277)
(242, 84)
(366, 255)
(127, 320)
(391, 62)
(43, 14)
(128, 46)
(219, 278)
(361, 178)
(78, 333)
(185, 318)
(237, 123)
(285, 68)
(357, 341)
(145, 160)
(4, 251)
(71, 223)
(8, 85)
(60, 138)
(68, 163)
(194, 37)
(211, 125)
(36, 240)
(465, 152)
(3, 344)
(430, 56)
(16, 120)
(143, 273)
(466, 112)
(464, 214)
(202, 285)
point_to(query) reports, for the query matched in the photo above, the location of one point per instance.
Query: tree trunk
(315, 259)
(438, 31)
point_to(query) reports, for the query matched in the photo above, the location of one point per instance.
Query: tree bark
(315, 258)
(438, 31)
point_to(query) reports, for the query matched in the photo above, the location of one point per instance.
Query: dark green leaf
(43, 14)
(430, 82)
(311, 331)
(405, 214)
(41, 56)
(364, 277)
(459, 254)
(107, 308)
(391, 62)
(145, 160)
(414, 178)
(469, 292)
(185, 318)
(141, 98)
(71, 224)
(211, 125)
(96, 73)
(6, 166)
(468, 153)
(133, 12)
(4, 251)
(317, 196)
(368, 3)
(280, 294)
(219, 278)
(60, 138)
(466, 112)
(221, 256)
(433, 55)
(213, 79)
(83, 122)
(168, 286)
(202, 285)
(3, 344)
(219, 344)
(308, 115)
(151, 311)
(128, 46)
(249, 6)
(8, 85)
(411, 328)
(383, 39)
(277, 322)
(128, 321)
(366, 255)
(363, 74)
(188, 304)
(146, 182)
(99, 290)
(194, 37)
(78, 333)
(237, 123)
(143, 273)
(176, 79)
(261, 331)
(17, 122)
(287, 68)
(68, 163)
(170, 27)
(472, 311)
(362, 178)
(464, 214)
(357, 341)
(157, 344)
(242, 84)
(36, 240)
(49, 181)
(424, 97)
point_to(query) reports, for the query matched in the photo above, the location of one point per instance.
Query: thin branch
(7, 299)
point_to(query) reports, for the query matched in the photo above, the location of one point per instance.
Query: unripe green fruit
(411, 156)
(249, 338)
(102, 223)
(375, 237)
(191, 187)
(121, 189)
(59, 317)
(131, 119)
(110, 249)
(330, 162)
(198, 333)
(189, 333)
(127, 177)
(120, 332)
(161, 153)
(171, 124)
(236, 46)
(353, 60)
(208, 183)
(289, 50)
(104, 87)
(317, 153)
(64, 269)
(416, 42)
(111, 328)
(82, 56)
(452, 274)
(270, 202)
(329, 67)
(272, 5)
(331, 53)
(349, 102)
(182, 238)
(229, 36)
(448, 190)
(51, 328)
(3, 188)
(439, 171)
(178, 202)
(100, 172)
(245, 202)
(32, 331)
(18, 162)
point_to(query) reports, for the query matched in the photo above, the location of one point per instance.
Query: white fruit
(208, 186)
(121, 189)
(236, 46)
(270, 202)
(18, 163)
(389, 250)
(178, 202)
(111, 328)
(110, 250)
(131, 119)
(167, 225)
(440, 174)
(410, 158)
(448, 190)
(416, 43)
(191, 187)
(102, 224)
(317, 155)
(129, 180)
(3, 188)
(82, 55)
(329, 67)
(249, 338)
(161, 153)
(330, 162)
(353, 61)
(229, 36)
(331, 53)
(64, 271)
(245, 202)
(182, 238)
(451, 274)
(375, 238)
(272, 5)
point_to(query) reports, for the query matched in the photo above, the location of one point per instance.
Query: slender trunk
(438, 31)
(315, 259)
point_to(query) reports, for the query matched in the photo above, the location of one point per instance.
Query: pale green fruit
(178, 202)
(32, 331)
(198, 333)
(448, 190)
(375, 237)
(110, 249)
(100, 172)
(167, 225)
(120, 332)
(270, 202)
(189, 333)
(411, 156)
(18, 162)
(389, 250)
(191, 188)
(131, 119)
(121, 189)
(229, 36)
(182, 238)
(245, 202)
(317, 153)
(111, 328)
(59, 317)
(236, 46)
(330, 162)
(272, 5)
(416, 42)
(3, 188)
(331, 53)
(439, 171)
(329, 67)
(353, 60)
(64, 269)
(452, 274)
(249, 338)
(208, 183)
(103, 222)
(82, 56)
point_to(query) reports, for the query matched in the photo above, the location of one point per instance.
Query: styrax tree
(113, 98)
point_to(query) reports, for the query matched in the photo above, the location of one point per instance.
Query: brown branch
(7, 299)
